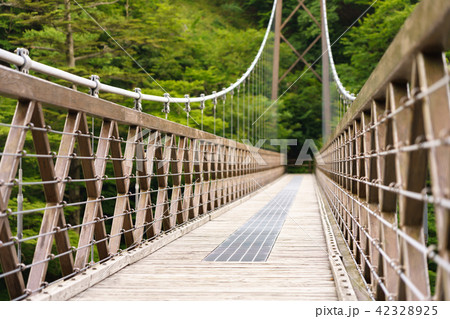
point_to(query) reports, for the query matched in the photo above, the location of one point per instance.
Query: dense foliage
(190, 46)
(201, 46)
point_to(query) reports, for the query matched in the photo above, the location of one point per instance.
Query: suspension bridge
(172, 212)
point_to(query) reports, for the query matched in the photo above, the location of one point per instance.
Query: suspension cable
(342, 90)
(238, 114)
(19, 61)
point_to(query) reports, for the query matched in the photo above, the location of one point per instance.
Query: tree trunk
(70, 52)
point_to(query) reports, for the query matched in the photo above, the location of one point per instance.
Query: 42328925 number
(407, 310)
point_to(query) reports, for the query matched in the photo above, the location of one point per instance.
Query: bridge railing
(109, 179)
(386, 170)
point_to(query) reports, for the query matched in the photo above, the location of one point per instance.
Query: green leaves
(366, 43)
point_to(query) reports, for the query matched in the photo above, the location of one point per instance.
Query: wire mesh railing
(386, 171)
(83, 179)
(246, 109)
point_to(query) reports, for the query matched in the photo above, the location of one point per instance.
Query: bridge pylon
(276, 80)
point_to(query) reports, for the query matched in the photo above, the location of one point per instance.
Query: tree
(54, 31)
(366, 43)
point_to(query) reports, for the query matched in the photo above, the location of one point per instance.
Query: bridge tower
(279, 25)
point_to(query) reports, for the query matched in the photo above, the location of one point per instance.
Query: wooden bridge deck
(298, 267)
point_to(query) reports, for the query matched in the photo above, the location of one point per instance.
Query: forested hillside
(199, 46)
(190, 46)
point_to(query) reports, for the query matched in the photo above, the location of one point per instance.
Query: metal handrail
(19, 61)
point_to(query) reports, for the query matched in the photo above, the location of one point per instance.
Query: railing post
(276, 49)
(431, 68)
(326, 100)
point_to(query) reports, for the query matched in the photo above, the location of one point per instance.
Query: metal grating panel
(253, 242)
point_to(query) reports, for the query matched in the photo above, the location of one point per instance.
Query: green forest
(190, 46)
(201, 46)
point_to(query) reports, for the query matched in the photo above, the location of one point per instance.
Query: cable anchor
(138, 101)
(166, 108)
(214, 99)
(25, 54)
(202, 107)
(224, 98)
(94, 91)
(202, 103)
(214, 107)
(187, 105)
(187, 108)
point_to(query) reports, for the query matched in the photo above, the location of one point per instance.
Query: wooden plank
(188, 202)
(219, 175)
(177, 272)
(97, 169)
(230, 171)
(176, 201)
(224, 183)
(372, 198)
(411, 169)
(239, 173)
(8, 170)
(93, 190)
(54, 193)
(128, 228)
(198, 178)
(46, 164)
(86, 151)
(163, 155)
(14, 145)
(9, 261)
(206, 178)
(387, 200)
(53, 217)
(154, 143)
(232, 179)
(144, 214)
(62, 167)
(345, 180)
(351, 185)
(122, 218)
(363, 191)
(213, 172)
(436, 111)
(101, 235)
